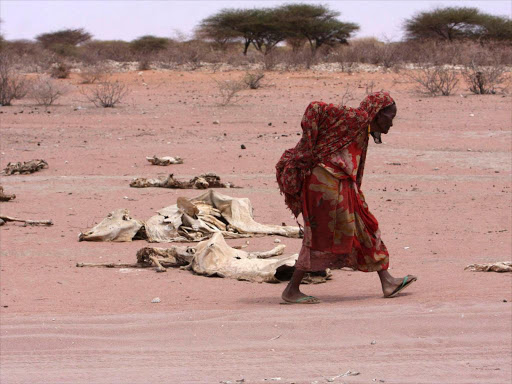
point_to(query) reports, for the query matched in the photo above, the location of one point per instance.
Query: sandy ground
(440, 186)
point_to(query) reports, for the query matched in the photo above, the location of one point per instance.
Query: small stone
(277, 241)
(504, 300)
(373, 342)
(216, 122)
(436, 169)
(269, 124)
(156, 300)
(243, 146)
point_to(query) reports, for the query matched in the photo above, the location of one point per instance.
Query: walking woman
(321, 178)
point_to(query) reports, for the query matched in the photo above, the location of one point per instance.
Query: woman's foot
(295, 296)
(391, 286)
(292, 293)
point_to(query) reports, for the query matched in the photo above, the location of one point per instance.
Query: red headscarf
(326, 129)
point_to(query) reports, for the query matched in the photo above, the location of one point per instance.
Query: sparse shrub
(435, 80)
(93, 73)
(253, 79)
(229, 90)
(484, 80)
(347, 96)
(13, 86)
(60, 71)
(46, 90)
(106, 94)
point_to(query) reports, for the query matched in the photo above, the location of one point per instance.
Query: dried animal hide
(117, 226)
(25, 167)
(166, 160)
(502, 266)
(165, 257)
(212, 212)
(215, 258)
(189, 220)
(4, 197)
(208, 180)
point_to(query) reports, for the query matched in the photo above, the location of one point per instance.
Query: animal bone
(208, 180)
(502, 266)
(27, 222)
(25, 167)
(4, 197)
(166, 160)
(117, 226)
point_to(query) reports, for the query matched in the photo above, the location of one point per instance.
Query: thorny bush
(46, 90)
(106, 94)
(13, 86)
(436, 80)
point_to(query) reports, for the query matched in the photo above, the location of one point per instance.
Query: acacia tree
(315, 23)
(146, 47)
(259, 27)
(454, 23)
(216, 29)
(71, 37)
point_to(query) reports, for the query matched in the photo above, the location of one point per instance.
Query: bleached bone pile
(208, 180)
(4, 196)
(196, 219)
(25, 167)
(166, 160)
(501, 266)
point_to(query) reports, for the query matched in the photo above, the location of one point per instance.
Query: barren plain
(440, 186)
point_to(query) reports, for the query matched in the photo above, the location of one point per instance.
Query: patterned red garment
(321, 178)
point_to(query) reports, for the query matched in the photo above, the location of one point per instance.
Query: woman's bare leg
(292, 291)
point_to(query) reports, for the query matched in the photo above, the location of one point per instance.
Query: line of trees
(297, 25)
(264, 28)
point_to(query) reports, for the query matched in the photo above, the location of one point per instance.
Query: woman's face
(384, 119)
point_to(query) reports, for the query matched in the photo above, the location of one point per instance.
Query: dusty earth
(440, 186)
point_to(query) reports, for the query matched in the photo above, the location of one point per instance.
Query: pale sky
(127, 20)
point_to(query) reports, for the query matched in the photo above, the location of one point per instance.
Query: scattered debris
(26, 222)
(502, 266)
(156, 300)
(166, 160)
(348, 373)
(205, 181)
(26, 167)
(275, 338)
(4, 197)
